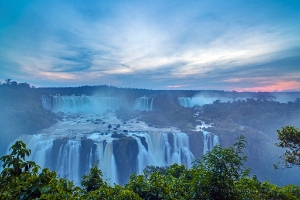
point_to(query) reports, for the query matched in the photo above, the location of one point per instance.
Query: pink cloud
(273, 86)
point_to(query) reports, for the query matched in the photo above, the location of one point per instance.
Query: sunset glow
(275, 87)
(218, 45)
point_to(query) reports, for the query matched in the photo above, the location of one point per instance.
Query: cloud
(201, 44)
(273, 86)
(177, 86)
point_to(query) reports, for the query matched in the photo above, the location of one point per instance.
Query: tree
(219, 170)
(7, 80)
(17, 175)
(93, 181)
(171, 182)
(20, 179)
(289, 138)
(14, 164)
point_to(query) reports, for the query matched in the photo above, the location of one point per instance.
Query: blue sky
(204, 44)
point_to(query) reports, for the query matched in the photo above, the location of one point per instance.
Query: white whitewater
(216, 140)
(144, 104)
(68, 161)
(189, 102)
(209, 141)
(91, 104)
(106, 161)
(87, 104)
(40, 147)
(161, 152)
(186, 102)
(60, 147)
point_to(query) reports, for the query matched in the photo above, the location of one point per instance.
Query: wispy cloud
(177, 86)
(192, 44)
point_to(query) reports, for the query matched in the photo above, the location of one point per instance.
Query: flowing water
(85, 137)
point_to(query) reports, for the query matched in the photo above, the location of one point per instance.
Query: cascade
(185, 102)
(216, 140)
(163, 149)
(73, 145)
(68, 160)
(188, 102)
(72, 158)
(144, 104)
(40, 147)
(209, 140)
(46, 102)
(74, 104)
(82, 138)
(107, 164)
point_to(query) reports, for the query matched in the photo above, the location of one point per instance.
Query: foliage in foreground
(289, 138)
(220, 174)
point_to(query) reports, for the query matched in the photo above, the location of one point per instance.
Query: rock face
(87, 152)
(57, 145)
(125, 151)
(196, 143)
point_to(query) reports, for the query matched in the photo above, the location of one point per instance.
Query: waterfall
(188, 102)
(46, 102)
(209, 141)
(185, 102)
(205, 141)
(73, 158)
(40, 147)
(216, 140)
(144, 104)
(75, 104)
(68, 161)
(71, 151)
(164, 149)
(106, 164)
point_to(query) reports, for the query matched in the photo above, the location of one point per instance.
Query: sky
(229, 45)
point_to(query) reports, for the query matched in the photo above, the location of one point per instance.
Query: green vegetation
(21, 112)
(289, 137)
(220, 174)
(257, 119)
(261, 114)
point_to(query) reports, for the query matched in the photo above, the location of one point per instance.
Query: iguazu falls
(153, 100)
(124, 131)
(88, 132)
